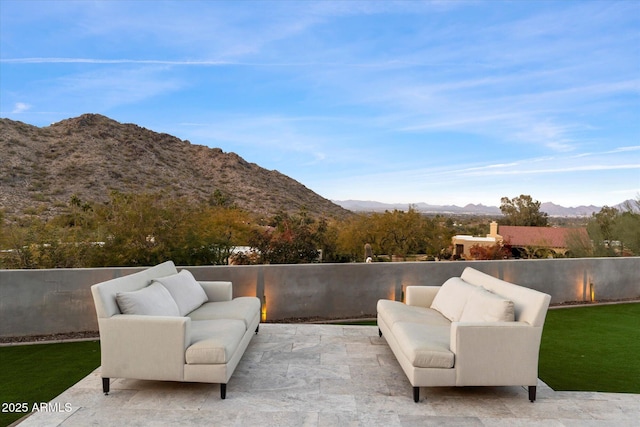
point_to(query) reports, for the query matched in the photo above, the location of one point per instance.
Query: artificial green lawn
(38, 373)
(592, 348)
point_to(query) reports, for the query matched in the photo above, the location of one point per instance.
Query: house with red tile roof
(525, 242)
(540, 242)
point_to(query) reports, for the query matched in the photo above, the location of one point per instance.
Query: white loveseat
(159, 324)
(474, 330)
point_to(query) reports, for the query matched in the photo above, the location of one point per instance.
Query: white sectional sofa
(159, 324)
(474, 330)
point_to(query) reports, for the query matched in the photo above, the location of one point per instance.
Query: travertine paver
(327, 375)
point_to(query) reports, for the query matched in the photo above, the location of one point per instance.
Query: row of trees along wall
(145, 229)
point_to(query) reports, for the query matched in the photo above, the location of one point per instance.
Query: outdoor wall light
(263, 309)
(592, 291)
(392, 294)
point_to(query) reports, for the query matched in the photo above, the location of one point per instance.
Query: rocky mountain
(91, 155)
(552, 209)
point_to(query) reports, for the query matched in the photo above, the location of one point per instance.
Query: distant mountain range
(549, 208)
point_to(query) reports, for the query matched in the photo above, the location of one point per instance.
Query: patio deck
(326, 375)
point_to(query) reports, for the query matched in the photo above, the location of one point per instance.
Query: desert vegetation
(148, 228)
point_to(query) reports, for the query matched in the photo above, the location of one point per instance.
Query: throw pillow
(154, 300)
(452, 297)
(185, 290)
(485, 306)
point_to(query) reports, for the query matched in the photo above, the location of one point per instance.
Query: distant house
(525, 242)
(540, 242)
(463, 243)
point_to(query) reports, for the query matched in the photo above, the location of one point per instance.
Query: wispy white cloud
(201, 63)
(568, 180)
(624, 149)
(285, 142)
(584, 162)
(273, 132)
(20, 107)
(542, 167)
(553, 170)
(101, 90)
(111, 61)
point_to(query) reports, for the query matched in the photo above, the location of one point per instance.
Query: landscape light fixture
(263, 310)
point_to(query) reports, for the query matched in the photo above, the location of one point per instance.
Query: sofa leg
(105, 386)
(257, 329)
(223, 391)
(532, 393)
(379, 333)
(416, 394)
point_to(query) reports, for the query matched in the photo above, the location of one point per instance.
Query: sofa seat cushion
(214, 341)
(153, 300)
(241, 308)
(425, 345)
(395, 311)
(485, 306)
(452, 297)
(185, 290)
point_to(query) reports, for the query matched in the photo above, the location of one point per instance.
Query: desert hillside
(91, 155)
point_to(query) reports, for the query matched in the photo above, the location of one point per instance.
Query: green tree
(604, 220)
(33, 243)
(401, 232)
(289, 239)
(393, 233)
(616, 232)
(523, 210)
(578, 245)
(136, 229)
(353, 233)
(146, 229)
(129, 230)
(627, 232)
(210, 234)
(327, 239)
(600, 229)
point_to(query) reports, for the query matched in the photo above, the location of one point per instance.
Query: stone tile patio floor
(327, 375)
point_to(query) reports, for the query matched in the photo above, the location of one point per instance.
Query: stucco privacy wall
(34, 302)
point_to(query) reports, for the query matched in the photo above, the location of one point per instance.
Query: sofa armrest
(421, 296)
(496, 353)
(218, 291)
(144, 347)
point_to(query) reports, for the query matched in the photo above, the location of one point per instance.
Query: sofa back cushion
(530, 305)
(154, 300)
(452, 297)
(485, 306)
(104, 293)
(185, 290)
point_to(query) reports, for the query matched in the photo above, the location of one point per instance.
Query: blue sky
(444, 102)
